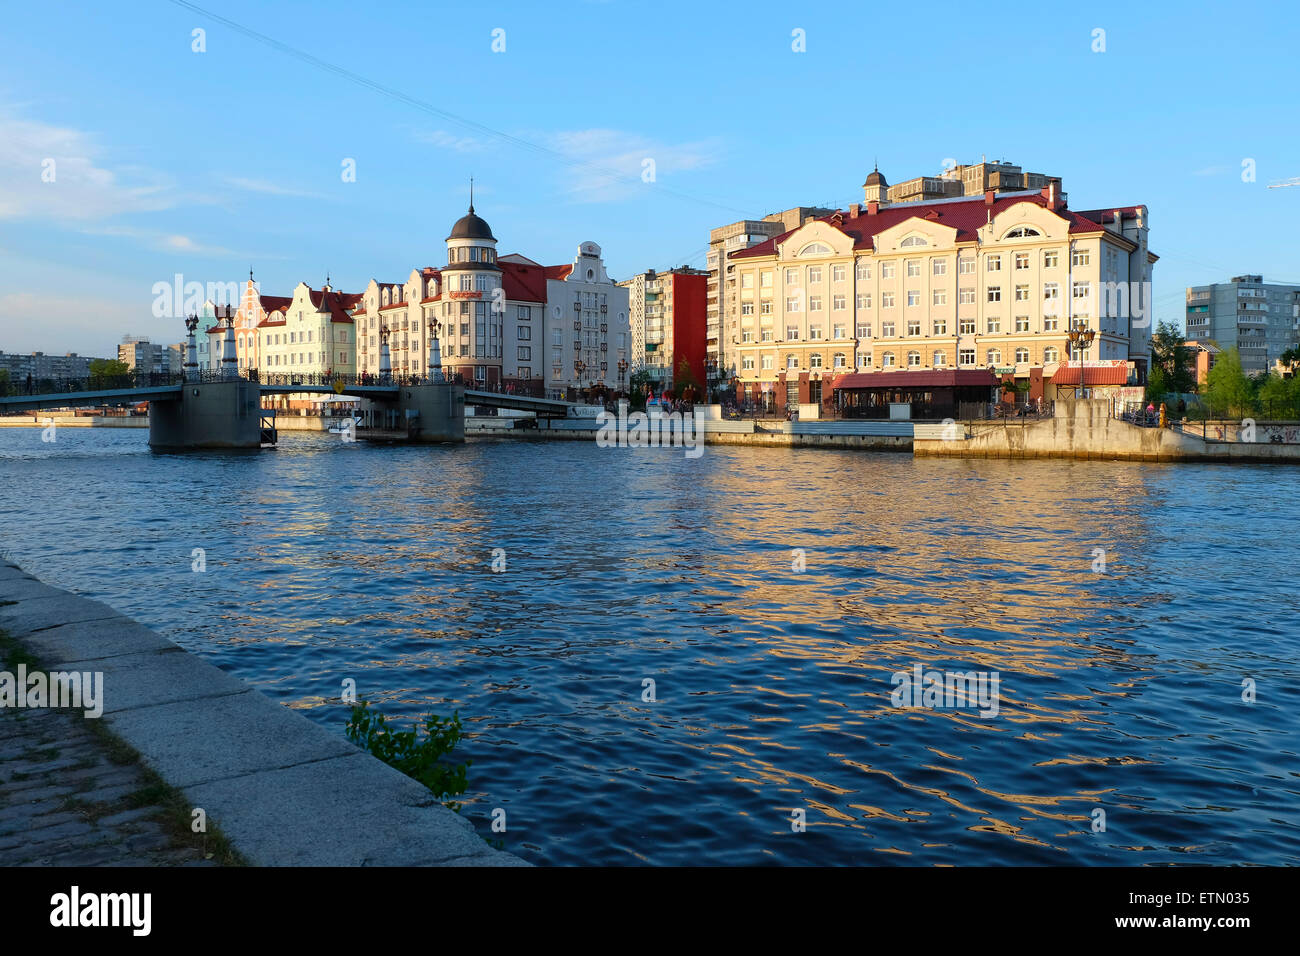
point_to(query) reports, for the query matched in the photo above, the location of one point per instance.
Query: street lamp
(622, 371)
(1081, 337)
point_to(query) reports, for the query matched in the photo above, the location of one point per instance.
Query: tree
(636, 388)
(1228, 391)
(1170, 354)
(108, 373)
(1279, 398)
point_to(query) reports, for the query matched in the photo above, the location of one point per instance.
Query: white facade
(587, 322)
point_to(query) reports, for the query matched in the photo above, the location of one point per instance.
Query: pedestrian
(29, 383)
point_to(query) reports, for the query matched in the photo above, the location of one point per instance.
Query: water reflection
(1120, 691)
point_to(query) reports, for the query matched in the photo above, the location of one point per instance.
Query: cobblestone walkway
(69, 797)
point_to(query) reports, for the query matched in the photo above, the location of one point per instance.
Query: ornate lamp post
(191, 350)
(1081, 337)
(622, 371)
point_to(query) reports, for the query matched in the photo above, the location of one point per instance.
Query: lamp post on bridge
(385, 357)
(191, 349)
(229, 359)
(435, 356)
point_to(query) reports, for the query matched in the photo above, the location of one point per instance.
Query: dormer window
(815, 249)
(1022, 232)
(913, 241)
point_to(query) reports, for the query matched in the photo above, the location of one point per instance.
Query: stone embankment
(281, 789)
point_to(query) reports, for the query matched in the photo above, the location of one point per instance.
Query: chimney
(1052, 193)
(853, 211)
(873, 207)
(988, 197)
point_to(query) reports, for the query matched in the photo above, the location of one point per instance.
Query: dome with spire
(875, 178)
(470, 226)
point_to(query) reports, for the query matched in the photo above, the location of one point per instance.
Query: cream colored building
(988, 282)
(312, 335)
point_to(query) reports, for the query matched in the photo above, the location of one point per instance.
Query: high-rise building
(144, 357)
(668, 320)
(42, 367)
(1260, 319)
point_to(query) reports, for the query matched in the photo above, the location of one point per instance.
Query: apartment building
(1260, 319)
(993, 282)
(723, 241)
(41, 366)
(145, 357)
(965, 180)
(312, 334)
(668, 322)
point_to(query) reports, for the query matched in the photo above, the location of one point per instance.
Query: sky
(205, 163)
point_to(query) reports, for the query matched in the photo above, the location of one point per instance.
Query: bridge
(210, 409)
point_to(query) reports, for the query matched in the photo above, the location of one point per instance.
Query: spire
(471, 195)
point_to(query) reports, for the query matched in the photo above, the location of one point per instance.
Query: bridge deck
(523, 403)
(112, 396)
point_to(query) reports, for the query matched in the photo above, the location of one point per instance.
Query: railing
(1005, 411)
(91, 383)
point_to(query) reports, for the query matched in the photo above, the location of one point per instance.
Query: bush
(420, 758)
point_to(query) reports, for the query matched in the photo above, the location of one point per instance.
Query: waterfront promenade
(281, 789)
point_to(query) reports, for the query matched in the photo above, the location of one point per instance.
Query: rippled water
(1120, 690)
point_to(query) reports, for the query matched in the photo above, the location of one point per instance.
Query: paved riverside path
(283, 790)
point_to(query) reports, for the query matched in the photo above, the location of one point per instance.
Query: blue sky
(170, 161)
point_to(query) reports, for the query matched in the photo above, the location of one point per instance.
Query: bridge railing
(10, 388)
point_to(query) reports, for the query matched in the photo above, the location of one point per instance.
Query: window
(747, 363)
(768, 362)
(886, 270)
(940, 359)
(814, 303)
(1022, 356)
(525, 353)
(792, 361)
(864, 331)
(815, 249)
(994, 326)
(814, 275)
(839, 331)
(866, 360)
(1051, 259)
(940, 297)
(1050, 354)
(966, 327)
(747, 308)
(837, 273)
(838, 303)
(1022, 323)
(887, 360)
(965, 267)
(1022, 293)
(913, 297)
(966, 357)
(1082, 290)
(765, 308)
(814, 332)
(864, 270)
(746, 335)
(994, 356)
(913, 359)
(793, 303)
(1080, 257)
(1022, 232)
(840, 360)
(886, 300)
(765, 280)
(913, 326)
(913, 241)
(993, 263)
(887, 329)
(864, 300)
(940, 267)
(995, 293)
(913, 268)
(815, 360)
(965, 296)
(792, 333)
(1049, 323)
(747, 280)
(940, 326)
(765, 335)
(1022, 260)
(791, 276)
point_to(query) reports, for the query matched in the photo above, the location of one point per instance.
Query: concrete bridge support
(213, 415)
(427, 414)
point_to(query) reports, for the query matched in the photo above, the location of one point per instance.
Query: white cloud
(444, 140)
(608, 163)
(84, 186)
(268, 188)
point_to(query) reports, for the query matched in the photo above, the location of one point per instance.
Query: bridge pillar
(214, 415)
(435, 412)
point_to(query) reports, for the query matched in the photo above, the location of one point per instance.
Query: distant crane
(1282, 183)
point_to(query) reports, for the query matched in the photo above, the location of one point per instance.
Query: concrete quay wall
(1085, 430)
(284, 790)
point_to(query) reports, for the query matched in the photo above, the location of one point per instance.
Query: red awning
(1101, 375)
(930, 378)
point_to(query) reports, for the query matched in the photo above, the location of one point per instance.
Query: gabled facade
(313, 334)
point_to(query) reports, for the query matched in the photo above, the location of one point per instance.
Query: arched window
(913, 359)
(914, 241)
(839, 360)
(887, 360)
(815, 360)
(1022, 232)
(792, 361)
(1050, 354)
(940, 359)
(1022, 355)
(815, 249)
(995, 356)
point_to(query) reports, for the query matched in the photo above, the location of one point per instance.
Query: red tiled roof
(339, 303)
(931, 378)
(1104, 375)
(272, 302)
(559, 272)
(967, 217)
(523, 283)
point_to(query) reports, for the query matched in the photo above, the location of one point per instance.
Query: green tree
(1157, 384)
(1170, 354)
(1228, 391)
(636, 389)
(1279, 398)
(108, 373)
